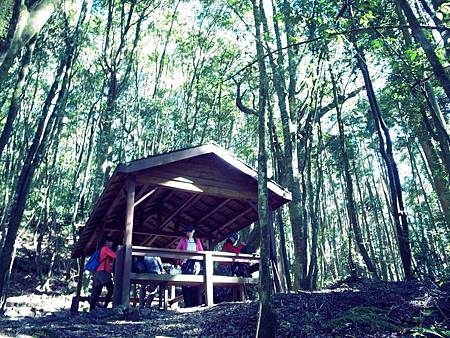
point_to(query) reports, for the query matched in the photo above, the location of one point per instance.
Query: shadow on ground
(360, 308)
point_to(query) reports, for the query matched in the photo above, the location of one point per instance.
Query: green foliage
(364, 319)
(422, 332)
(6, 10)
(176, 91)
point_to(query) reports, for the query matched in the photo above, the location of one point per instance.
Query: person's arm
(180, 245)
(199, 245)
(241, 246)
(110, 253)
(228, 247)
(161, 268)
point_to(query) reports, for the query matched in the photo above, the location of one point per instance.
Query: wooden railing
(208, 279)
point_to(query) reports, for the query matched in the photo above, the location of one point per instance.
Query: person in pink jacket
(189, 243)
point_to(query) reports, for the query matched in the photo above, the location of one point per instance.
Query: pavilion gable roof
(204, 185)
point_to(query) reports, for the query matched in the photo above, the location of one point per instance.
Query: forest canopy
(344, 103)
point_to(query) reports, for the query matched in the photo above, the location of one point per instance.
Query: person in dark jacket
(147, 264)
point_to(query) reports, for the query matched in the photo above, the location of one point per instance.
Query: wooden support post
(134, 294)
(209, 271)
(241, 293)
(172, 292)
(210, 244)
(162, 303)
(127, 240)
(125, 297)
(131, 185)
(76, 300)
(166, 298)
(118, 274)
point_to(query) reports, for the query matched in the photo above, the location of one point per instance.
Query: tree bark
(16, 100)
(385, 146)
(289, 143)
(46, 127)
(25, 24)
(349, 188)
(419, 35)
(266, 319)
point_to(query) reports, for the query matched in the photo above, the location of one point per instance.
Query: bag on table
(192, 267)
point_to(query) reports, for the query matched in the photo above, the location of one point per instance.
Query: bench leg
(142, 292)
(166, 298)
(241, 293)
(160, 295)
(75, 305)
(163, 295)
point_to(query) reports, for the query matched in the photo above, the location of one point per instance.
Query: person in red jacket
(231, 244)
(228, 269)
(103, 275)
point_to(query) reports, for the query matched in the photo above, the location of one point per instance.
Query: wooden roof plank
(140, 199)
(189, 201)
(234, 181)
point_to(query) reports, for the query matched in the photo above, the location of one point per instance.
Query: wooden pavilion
(147, 203)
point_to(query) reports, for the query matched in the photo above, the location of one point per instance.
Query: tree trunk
(281, 179)
(349, 188)
(26, 23)
(289, 142)
(364, 217)
(385, 143)
(266, 319)
(419, 35)
(46, 126)
(381, 245)
(16, 98)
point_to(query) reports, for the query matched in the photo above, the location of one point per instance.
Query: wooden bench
(165, 280)
(208, 279)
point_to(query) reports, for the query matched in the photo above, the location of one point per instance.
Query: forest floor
(362, 308)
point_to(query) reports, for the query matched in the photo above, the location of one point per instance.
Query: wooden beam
(212, 211)
(131, 185)
(162, 234)
(218, 256)
(194, 279)
(141, 199)
(161, 202)
(243, 213)
(114, 203)
(172, 242)
(128, 238)
(188, 202)
(196, 185)
(209, 271)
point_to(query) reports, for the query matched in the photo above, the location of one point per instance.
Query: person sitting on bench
(147, 264)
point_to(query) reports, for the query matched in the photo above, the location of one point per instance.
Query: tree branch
(239, 103)
(355, 30)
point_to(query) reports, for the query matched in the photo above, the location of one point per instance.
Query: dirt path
(362, 309)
